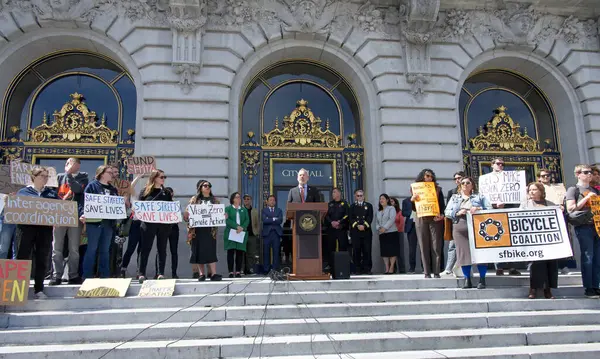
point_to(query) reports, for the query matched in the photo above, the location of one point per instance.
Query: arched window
(73, 103)
(503, 114)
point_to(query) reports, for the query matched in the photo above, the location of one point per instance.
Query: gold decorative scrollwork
(301, 129)
(74, 123)
(354, 162)
(11, 153)
(250, 162)
(503, 134)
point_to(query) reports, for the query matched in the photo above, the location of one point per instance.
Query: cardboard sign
(506, 187)
(157, 288)
(20, 174)
(14, 281)
(510, 235)
(6, 186)
(123, 186)
(99, 206)
(103, 288)
(3, 199)
(157, 211)
(428, 204)
(39, 211)
(206, 215)
(140, 165)
(595, 207)
(555, 193)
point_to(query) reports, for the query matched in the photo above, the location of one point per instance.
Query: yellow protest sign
(14, 281)
(103, 288)
(427, 205)
(157, 288)
(595, 206)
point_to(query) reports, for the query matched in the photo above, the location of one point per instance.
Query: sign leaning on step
(104, 288)
(39, 211)
(14, 281)
(157, 211)
(206, 215)
(157, 288)
(507, 187)
(510, 235)
(99, 206)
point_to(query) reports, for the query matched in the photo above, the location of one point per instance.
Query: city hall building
(244, 93)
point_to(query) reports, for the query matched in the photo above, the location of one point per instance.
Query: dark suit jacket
(407, 208)
(272, 225)
(312, 195)
(361, 216)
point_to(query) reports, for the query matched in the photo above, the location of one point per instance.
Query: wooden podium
(306, 240)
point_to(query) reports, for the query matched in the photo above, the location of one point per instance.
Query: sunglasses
(360, 195)
(162, 177)
(466, 183)
(499, 163)
(586, 172)
(457, 178)
(207, 185)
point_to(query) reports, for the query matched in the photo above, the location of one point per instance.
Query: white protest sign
(206, 215)
(511, 235)
(20, 174)
(157, 211)
(99, 206)
(507, 187)
(3, 199)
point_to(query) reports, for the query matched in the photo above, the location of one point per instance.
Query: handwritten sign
(14, 281)
(123, 186)
(595, 207)
(6, 185)
(505, 187)
(39, 211)
(3, 199)
(99, 206)
(140, 165)
(157, 288)
(555, 193)
(510, 235)
(103, 288)
(157, 211)
(20, 174)
(428, 204)
(207, 215)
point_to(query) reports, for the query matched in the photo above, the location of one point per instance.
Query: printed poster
(99, 206)
(157, 211)
(104, 288)
(157, 288)
(14, 281)
(20, 174)
(506, 187)
(511, 235)
(39, 211)
(428, 204)
(206, 215)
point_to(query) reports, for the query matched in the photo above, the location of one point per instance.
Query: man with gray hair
(303, 192)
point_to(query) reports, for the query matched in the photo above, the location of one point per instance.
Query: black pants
(412, 249)
(239, 255)
(361, 250)
(173, 240)
(336, 239)
(161, 232)
(544, 274)
(400, 262)
(36, 239)
(133, 242)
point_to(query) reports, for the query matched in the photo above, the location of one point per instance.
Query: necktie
(302, 193)
(272, 210)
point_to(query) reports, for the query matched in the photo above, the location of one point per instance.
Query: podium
(306, 240)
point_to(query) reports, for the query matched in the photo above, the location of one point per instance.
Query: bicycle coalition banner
(510, 235)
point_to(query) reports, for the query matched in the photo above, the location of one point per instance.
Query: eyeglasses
(207, 185)
(499, 163)
(162, 177)
(586, 172)
(360, 195)
(466, 183)
(457, 178)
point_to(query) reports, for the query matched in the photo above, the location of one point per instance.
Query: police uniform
(361, 214)
(336, 211)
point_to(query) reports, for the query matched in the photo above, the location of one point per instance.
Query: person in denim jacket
(466, 200)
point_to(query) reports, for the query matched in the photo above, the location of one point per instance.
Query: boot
(531, 293)
(468, 283)
(548, 294)
(481, 284)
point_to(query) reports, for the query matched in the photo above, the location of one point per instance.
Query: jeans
(589, 243)
(7, 237)
(99, 237)
(451, 256)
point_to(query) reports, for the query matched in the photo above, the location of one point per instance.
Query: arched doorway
(296, 114)
(70, 104)
(504, 114)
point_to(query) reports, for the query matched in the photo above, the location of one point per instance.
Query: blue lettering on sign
(286, 174)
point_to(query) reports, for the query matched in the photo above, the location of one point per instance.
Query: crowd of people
(94, 248)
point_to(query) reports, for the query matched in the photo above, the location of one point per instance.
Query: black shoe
(196, 275)
(230, 275)
(591, 293)
(141, 279)
(514, 272)
(201, 278)
(216, 277)
(76, 281)
(481, 284)
(427, 275)
(123, 272)
(174, 276)
(468, 283)
(436, 276)
(55, 281)
(238, 275)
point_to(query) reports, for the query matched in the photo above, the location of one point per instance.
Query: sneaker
(565, 270)
(196, 275)
(141, 279)
(238, 275)
(40, 295)
(55, 281)
(447, 272)
(160, 277)
(216, 277)
(201, 278)
(230, 275)
(514, 272)
(590, 293)
(76, 281)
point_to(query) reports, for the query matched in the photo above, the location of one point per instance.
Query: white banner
(157, 211)
(511, 235)
(507, 187)
(100, 206)
(207, 215)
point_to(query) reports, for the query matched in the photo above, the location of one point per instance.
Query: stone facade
(406, 59)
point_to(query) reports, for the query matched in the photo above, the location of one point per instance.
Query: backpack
(578, 218)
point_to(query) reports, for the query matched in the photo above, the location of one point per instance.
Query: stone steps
(364, 317)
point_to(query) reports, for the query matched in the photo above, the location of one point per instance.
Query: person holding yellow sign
(428, 202)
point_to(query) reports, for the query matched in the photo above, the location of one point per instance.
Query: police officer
(336, 221)
(361, 216)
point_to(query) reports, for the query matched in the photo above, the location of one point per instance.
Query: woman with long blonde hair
(154, 191)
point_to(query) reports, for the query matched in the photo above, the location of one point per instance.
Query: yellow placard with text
(428, 204)
(595, 206)
(104, 288)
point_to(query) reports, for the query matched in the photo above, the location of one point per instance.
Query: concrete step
(197, 328)
(72, 317)
(465, 343)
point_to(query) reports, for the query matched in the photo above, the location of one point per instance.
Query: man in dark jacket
(361, 216)
(336, 222)
(303, 192)
(71, 185)
(411, 233)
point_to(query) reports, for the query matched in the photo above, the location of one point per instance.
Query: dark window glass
(78, 63)
(491, 79)
(350, 112)
(251, 111)
(20, 100)
(305, 71)
(126, 90)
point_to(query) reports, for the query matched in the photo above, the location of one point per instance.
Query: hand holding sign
(426, 201)
(506, 187)
(207, 215)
